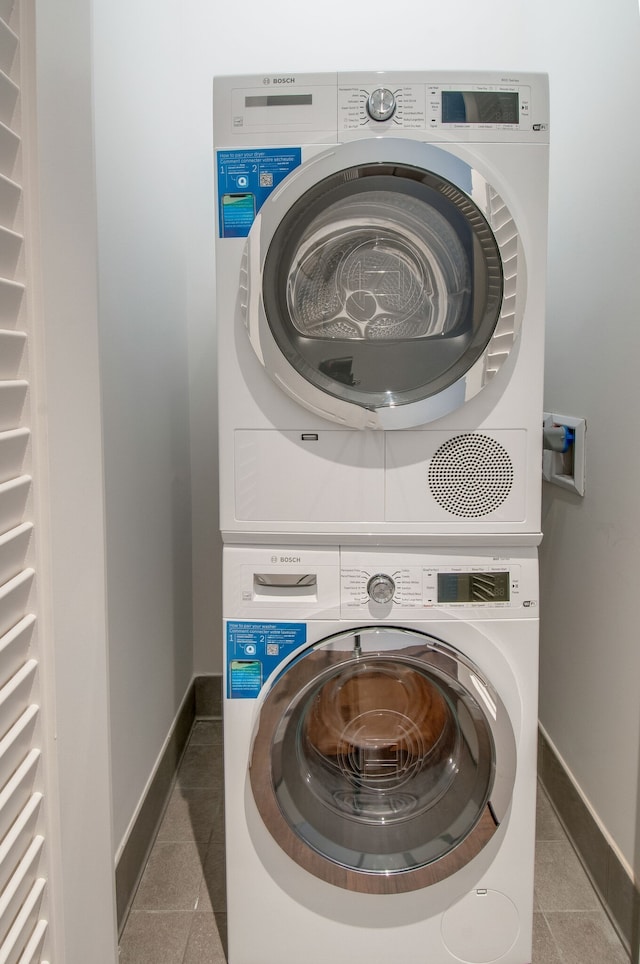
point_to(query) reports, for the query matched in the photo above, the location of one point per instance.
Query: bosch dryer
(380, 265)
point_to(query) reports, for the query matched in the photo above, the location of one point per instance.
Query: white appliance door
(381, 281)
(382, 761)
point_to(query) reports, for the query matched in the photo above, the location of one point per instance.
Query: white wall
(115, 394)
(143, 359)
(114, 302)
(141, 184)
(68, 392)
(589, 700)
(590, 657)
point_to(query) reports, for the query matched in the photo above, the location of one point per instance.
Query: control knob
(381, 588)
(381, 104)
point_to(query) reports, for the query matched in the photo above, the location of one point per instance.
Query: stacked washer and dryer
(380, 262)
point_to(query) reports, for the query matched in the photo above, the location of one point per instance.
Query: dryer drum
(374, 768)
(380, 267)
(383, 284)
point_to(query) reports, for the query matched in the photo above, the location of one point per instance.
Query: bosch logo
(283, 80)
(290, 559)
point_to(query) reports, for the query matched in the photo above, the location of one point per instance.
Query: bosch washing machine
(380, 262)
(380, 754)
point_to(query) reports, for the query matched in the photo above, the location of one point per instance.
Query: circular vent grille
(470, 475)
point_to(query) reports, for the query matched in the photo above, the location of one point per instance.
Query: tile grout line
(557, 948)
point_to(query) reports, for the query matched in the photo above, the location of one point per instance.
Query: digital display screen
(278, 100)
(480, 107)
(473, 587)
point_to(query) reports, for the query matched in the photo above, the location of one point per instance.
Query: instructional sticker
(245, 677)
(246, 178)
(254, 650)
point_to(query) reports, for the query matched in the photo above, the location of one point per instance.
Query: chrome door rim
(410, 411)
(279, 795)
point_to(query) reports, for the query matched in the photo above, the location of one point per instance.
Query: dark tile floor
(178, 915)
(179, 912)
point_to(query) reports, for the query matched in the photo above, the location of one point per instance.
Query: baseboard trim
(209, 697)
(619, 894)
(202, 700)
(135, 851)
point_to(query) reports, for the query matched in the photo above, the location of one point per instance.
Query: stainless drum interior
(383, 284)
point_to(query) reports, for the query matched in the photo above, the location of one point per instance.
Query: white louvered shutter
(23, 887)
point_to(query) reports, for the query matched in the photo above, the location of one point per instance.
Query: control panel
(445, 107)
(365, 583)
(378, 586)
(312, 108)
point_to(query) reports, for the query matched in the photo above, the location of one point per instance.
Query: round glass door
(383, 284)
(375, 758)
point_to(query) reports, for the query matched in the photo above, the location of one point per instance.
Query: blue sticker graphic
(245, 678)
(254, 650)
(245, 181)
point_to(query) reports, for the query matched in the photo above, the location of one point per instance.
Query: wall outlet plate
(566, 469)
